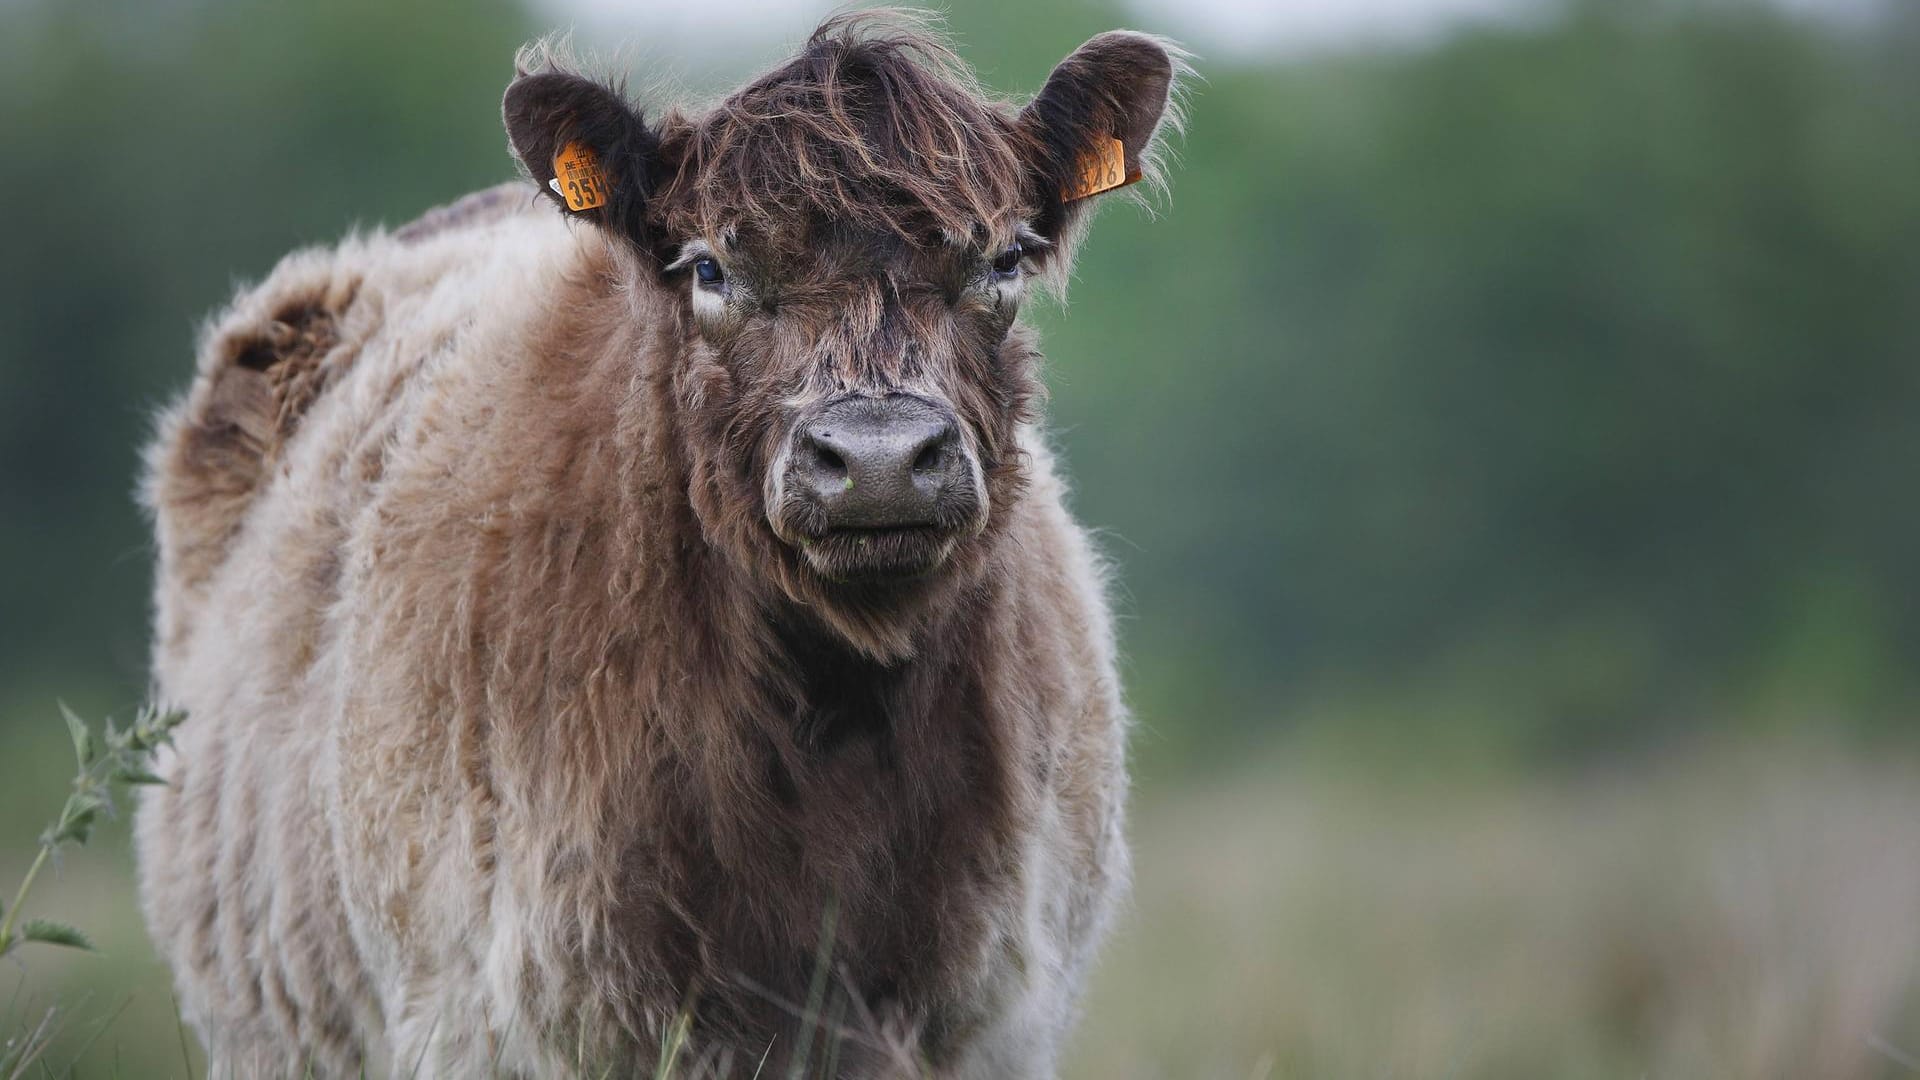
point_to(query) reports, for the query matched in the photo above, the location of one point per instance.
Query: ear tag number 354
(577, 178)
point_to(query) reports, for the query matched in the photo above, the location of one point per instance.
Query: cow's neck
(876, 789)
(835, 694)
(844, 728)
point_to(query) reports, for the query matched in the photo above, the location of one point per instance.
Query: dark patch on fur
(842, 695)
(291, 350)
(267, 376)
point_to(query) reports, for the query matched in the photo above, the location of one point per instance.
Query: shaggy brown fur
(532, 716)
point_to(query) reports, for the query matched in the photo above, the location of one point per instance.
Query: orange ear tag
(578, 179)
(1101, 168)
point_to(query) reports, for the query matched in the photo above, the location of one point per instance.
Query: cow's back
(304, 386)
(269, 358)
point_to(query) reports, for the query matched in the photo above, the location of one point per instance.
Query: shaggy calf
(655, 623)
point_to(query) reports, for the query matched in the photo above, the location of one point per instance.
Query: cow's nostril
(827, 460)
(929, 458)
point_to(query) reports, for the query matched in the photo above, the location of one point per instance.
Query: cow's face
(847, 242)
(862, 391)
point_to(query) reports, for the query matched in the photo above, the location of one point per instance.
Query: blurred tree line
(1549, 390)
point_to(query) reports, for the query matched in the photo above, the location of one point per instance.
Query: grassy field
(1719, 913)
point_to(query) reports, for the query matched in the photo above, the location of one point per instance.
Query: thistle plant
(120, 758)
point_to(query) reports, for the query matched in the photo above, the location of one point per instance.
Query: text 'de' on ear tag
(1101, 168)
(578, 179)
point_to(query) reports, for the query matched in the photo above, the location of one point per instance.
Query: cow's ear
(1098, 124)
(590, 151)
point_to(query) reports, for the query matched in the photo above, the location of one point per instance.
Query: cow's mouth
(878, 555)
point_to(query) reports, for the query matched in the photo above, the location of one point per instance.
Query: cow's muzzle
(878, 487)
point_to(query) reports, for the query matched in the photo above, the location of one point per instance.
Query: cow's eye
(706, 270)
(1007, 264)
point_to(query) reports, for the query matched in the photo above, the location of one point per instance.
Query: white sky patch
(1304, 26)
(688, 35)
(693, 32)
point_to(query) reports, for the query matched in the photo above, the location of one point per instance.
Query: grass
(1737, 912)
(1747, 912)
(103, 763)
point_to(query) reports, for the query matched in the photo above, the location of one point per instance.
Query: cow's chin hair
(877, 558)
(877, 590)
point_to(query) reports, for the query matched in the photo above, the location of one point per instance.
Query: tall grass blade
(180, 1029)
(816, 991)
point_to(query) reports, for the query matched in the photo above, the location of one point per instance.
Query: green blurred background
(1507, 435)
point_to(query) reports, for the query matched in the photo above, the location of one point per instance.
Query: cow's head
(843, 246)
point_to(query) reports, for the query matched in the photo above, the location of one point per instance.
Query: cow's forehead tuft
(872, 124)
